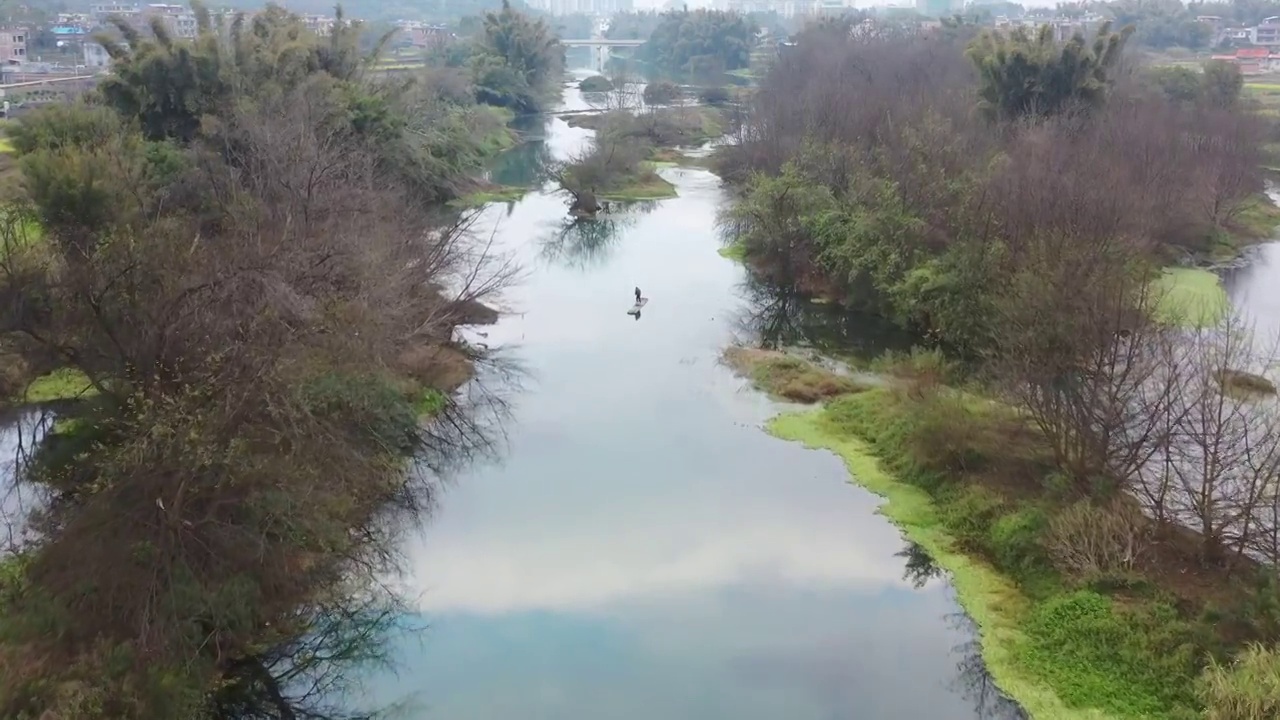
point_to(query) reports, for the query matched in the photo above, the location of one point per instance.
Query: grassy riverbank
(971, 482)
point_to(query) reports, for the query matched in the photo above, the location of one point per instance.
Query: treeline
(1013, 201)
(238, 252)
(911, 177)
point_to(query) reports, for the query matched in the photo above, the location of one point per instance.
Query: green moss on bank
(1193, 297)
(968, 481)
(498, 193)
(649, 186)
(498, 136)
(61, 384)
(734, 251)
(994, 602)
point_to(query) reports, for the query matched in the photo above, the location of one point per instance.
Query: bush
(662, 92)
(1247, 689)
(945, 435)
(968, 513)
(1088, 540)
(1015, 541)
(595, 83)
(714, 95)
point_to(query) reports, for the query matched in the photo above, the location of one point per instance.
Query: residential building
(13, 45)
(1267, 32)
(319, 24)
(95, 56)
(103, 10)
(1253, 60)
(177, 19)
(423, 35)
(593, 7)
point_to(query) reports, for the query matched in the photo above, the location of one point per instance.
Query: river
(644, 549)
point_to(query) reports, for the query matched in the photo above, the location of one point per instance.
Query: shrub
(925, 369)
(714, 95)
(787, 376)
(662, 92)
(1247, 689)
(1015, 540)
(969, 512)
(945, 435)
(595, 83)
(1088, 540)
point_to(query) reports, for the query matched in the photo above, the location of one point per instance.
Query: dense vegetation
(516, 62)
(1015, 210)
(238, 255)
(700, 42)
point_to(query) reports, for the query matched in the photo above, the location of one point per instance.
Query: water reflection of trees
(973, 680)
(525, 165)
(314, 664)
(582, 243)
(774, 315)
(920, 568)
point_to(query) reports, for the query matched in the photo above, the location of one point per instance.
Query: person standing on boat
(637, 296)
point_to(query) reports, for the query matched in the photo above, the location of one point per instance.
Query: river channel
(644, 549)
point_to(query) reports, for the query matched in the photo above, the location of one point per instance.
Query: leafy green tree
(212, 228)
(701, 42)
(1219, 84)
(519, 61)
(1177, 83)
(1023, 75)
(1161, 23)
(1222, 83)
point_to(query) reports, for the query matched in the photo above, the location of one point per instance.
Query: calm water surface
(645, 549)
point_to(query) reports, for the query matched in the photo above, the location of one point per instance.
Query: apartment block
(13, 45)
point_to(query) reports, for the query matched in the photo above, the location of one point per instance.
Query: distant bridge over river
(601, 42)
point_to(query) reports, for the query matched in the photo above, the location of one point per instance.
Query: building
(423, 35)
(96, 57)
(319, 24)
(103, 10)
(13, 45)
(590, 7)
(177, 19)
(1253, 60)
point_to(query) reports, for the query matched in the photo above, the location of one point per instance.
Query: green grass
(650, 186)
(734, 251)
(498, 135)
(6, 145)
(61, 384)
(1133, 661)
(1192, 297)
(501, 193)
(430, 402)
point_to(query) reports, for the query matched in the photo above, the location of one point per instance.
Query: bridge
(601, 42)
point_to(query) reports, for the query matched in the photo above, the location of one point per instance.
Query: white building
(590, 7)
(96, 58)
